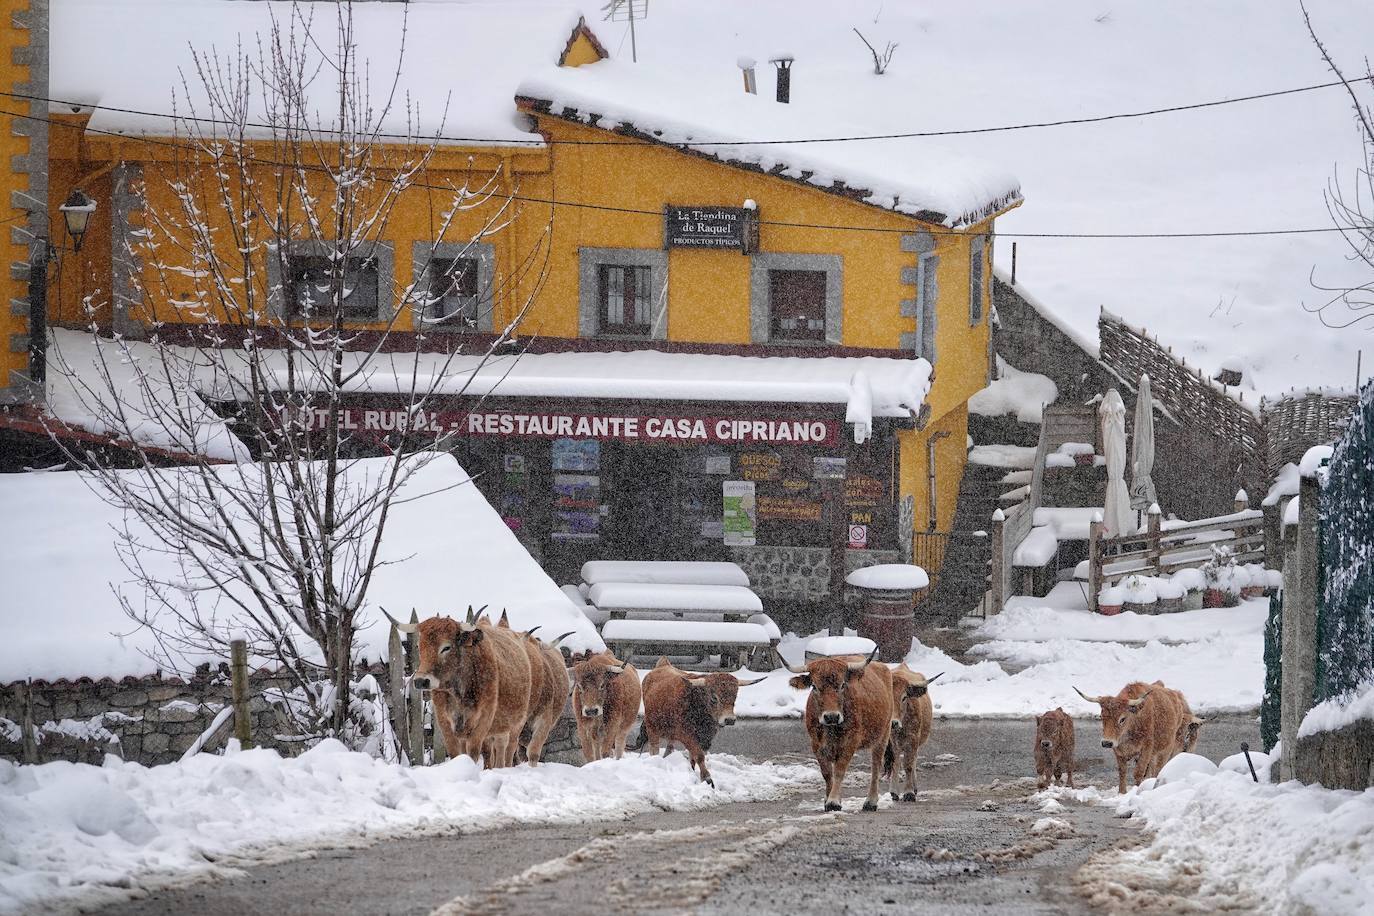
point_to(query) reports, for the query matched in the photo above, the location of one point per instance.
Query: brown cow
(1054, 747)
(688, 709)
(606, 695)
(912, 713)
(849, 709)
(1139, 724)
(1188, 733)
(479, 678)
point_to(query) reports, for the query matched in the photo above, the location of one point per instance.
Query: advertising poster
(576, 454)
(741, 513)
(576, 507)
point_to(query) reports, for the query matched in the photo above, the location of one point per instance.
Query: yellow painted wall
(950, 456)
(12, 78)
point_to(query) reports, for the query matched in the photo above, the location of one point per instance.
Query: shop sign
(826, 468)
(741, 513)
(789, 509)
(709, 227)
(760, 465)
(858, 537)
(657, 428)
(863, 490)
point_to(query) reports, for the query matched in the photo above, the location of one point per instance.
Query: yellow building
(702, 318)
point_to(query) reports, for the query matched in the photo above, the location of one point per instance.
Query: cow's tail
(641, 739)
(889, 759)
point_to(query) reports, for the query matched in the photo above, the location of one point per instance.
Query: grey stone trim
(21, 390)
(978, 254)
(34, 164)
(386, 272)
(910, 309)
(126, 200)
(760, 309)
(19, 343)
(588, 296)
(19, 270)
(19, 307)
(918, 243)
(420, 256)
(928, 322)
(911, 276)
(909, 340)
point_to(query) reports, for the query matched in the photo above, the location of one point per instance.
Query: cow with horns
(478, 676)
(849, 709)
(548, 687)
(606, 695)
(688, 709)
(912, 714)
(1141, 725)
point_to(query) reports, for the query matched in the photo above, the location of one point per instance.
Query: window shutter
(930, 296)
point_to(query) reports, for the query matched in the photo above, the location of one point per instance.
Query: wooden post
(396, 690)
(416, 701)
(1242, 500)
(1094, 560)
(999, 572)
(1152, 532)
(26, 727)
(238, 673)
(439, 752)
(1299, 623)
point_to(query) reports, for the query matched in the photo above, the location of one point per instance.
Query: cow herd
(497, 692)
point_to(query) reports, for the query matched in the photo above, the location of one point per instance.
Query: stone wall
(794, 582)
(1341, 759)
(1024, 337)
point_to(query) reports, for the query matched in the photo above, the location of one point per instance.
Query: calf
(849, 709)
(1054, 747)
(606, 695)
(688, 709)
(1140, 725)
(479, 681)
(912, 714)
(1188, 733)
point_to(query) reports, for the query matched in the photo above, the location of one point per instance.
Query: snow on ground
(1002, 456)
(1016, 62)
(1223, 841)
(73, 832)
(69, 623)
(1023, 394)
(1031, 658)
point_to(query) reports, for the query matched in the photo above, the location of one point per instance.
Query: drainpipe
(932, 519)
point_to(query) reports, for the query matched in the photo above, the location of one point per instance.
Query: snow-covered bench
(664, 572)
(675, 618)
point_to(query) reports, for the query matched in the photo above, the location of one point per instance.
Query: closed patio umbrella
(1143, 450)
(1116, 514)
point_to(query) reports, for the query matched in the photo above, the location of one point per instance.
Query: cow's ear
(475, 637)
(691, 681)
(800, 682)
(1037, 720)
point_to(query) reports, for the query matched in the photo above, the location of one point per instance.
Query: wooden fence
(1159, 551)
(1297, 421)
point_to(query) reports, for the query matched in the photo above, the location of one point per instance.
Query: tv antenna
(627, 10)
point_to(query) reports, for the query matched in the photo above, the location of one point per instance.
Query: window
(975, 279)
(797, 304)
(626, 293)
(309, 288)
(452, 294)
(928, 293)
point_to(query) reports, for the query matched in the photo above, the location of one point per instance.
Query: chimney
(784, 64)
(746, 65)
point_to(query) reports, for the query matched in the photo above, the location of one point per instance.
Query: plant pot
(1109, 610)
(1137, 608)
(1084, 460)
(1252, 591)
(1170, 605)
(1213, 597)
(1192, 600)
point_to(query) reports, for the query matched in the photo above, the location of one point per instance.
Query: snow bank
(1338, 712)
(444, 548)
(1023, 394)
(77, 833)
(1285, 484)
(1285, 848)
(1003, 456)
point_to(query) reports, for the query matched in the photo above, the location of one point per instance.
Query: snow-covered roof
(458, 70)
(911, 176)
(444, 548)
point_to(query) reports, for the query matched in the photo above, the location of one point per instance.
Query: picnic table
(679, 608)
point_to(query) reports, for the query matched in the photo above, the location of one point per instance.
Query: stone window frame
(760, 292)
(421, 255)
(977, 258)
(383, 252)
(923, 305)
(589, 260)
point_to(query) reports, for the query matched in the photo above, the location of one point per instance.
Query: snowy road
(970, 843)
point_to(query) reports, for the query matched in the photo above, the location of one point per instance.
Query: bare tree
(268, 247)
(1351, 201)
(880, 60)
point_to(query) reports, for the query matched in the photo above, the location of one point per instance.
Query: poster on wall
(741, 513)
(576, 454)
(576, 507)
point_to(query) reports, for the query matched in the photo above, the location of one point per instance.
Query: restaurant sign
(710, 227)
(655, 428)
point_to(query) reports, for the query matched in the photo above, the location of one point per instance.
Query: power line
(658, 213)
(904, 135)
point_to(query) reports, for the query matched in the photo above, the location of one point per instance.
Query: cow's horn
(1097, 700)
(856, 667)
(505, 620)
(530, 631)
(1138, 701)
(481, 612)
(931, 680)
(554, 644)
(402, 627)
(802, 670)
(615, 669)
(752, 680)
(470, 614)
